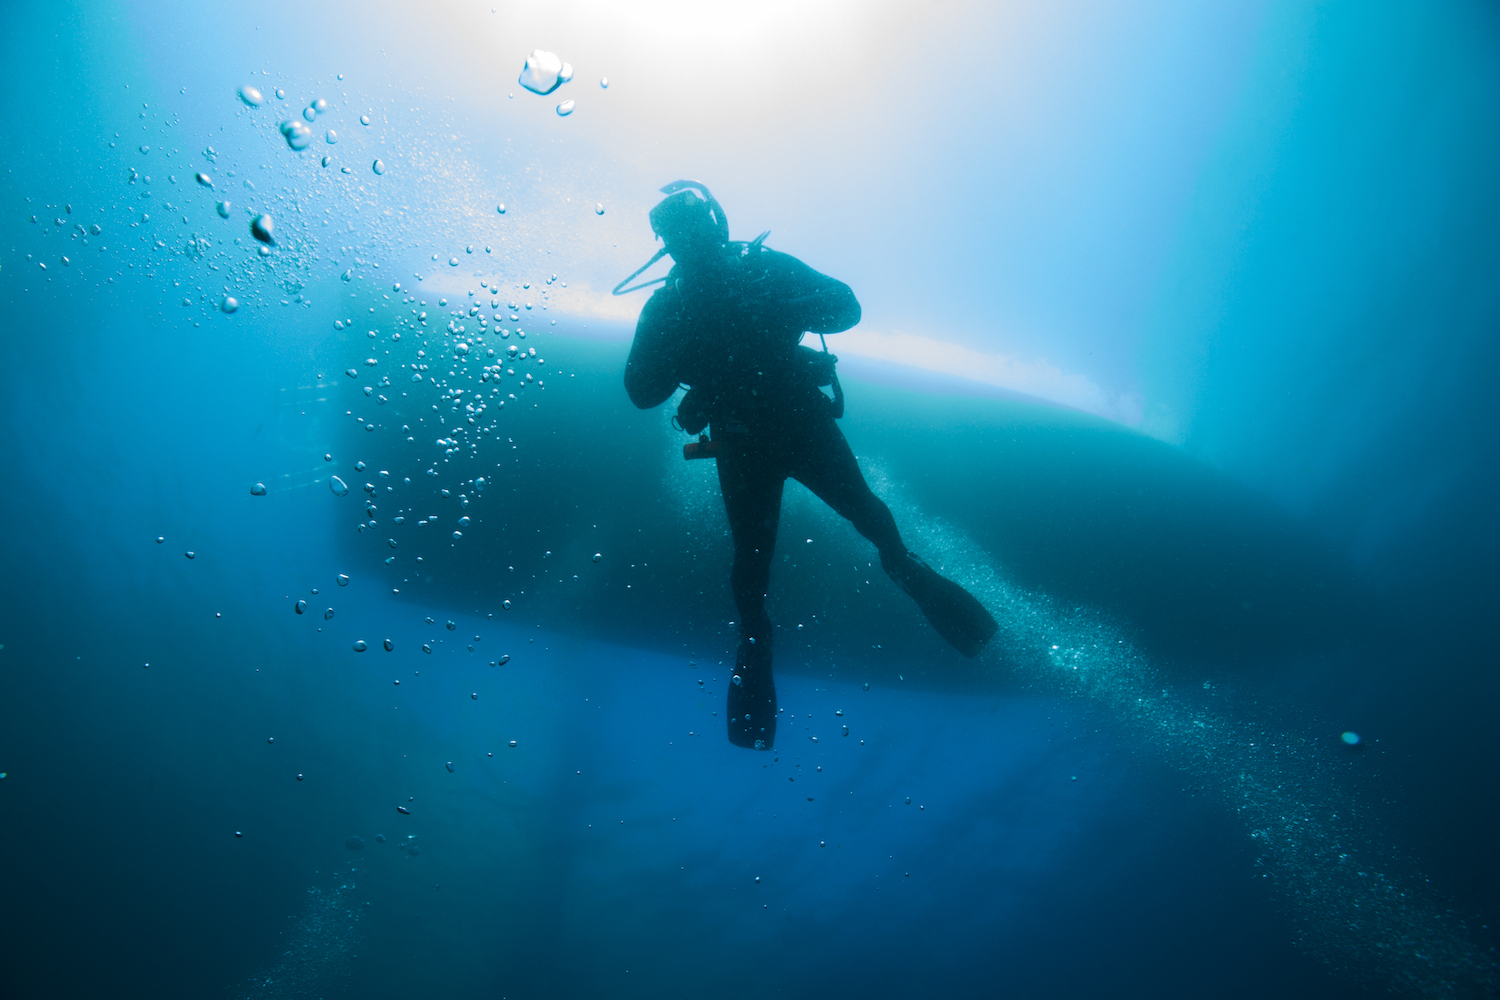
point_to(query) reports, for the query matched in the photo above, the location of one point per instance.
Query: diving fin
(752, 695)
(954, 612)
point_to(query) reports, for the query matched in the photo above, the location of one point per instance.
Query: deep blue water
(1232, 496)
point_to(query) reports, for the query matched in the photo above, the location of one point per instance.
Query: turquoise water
(1177, 351)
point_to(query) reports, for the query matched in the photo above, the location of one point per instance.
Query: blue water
(1195, 394)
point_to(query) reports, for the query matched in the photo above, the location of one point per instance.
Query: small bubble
(504, 659)
(338, 486)
(378, 166)
(280, 94)
(449, 765)
(500, 208)
(426, 648)
(300, 607)
(1351, 738)
(604, 83)
(359, 646)
(204, 179)
(598, 556)
(389, 646)
(230, 304)
(463, 522)
(319, 106)
(327, 160)
(458, 535)
(299, 775)
(188, 554)
(364, 119)
(343, 579)
(565, 109)
(452, 261)
(252, 96)
(331, 138)
(474, 696)
(223, 208)
(258, 489)
(160, 539)
(328, 615)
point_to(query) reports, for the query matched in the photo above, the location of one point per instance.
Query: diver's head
(693, 229)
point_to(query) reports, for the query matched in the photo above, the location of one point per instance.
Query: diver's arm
(651, 370)
(822, 304)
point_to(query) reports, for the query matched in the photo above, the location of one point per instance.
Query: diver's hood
(683, 217)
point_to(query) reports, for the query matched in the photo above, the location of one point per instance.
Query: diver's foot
(752, 695)
(954, 612)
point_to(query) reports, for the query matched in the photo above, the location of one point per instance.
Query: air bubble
(258, 489)
(230, 304)
(389, 646)
(262, 227)
(343, 579)
(378, 166)
(300, 607)
(598, 556)
(331, 138)
(565, 109)
(359, 646)
(204, 179)
(297, 134)
(223, 208)
(252, 97)
(328, 615)
(543, 72)
(364, 119)
(338, 486)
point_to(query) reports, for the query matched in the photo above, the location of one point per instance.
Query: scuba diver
(728, 324)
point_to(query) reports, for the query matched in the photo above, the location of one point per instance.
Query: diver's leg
(752, 499)
(824, 463)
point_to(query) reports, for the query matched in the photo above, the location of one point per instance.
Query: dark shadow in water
(1197, 568)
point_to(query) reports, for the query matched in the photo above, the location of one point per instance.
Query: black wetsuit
(730, 330)
(733, 337)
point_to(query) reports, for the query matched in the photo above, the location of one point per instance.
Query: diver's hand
(819, 363)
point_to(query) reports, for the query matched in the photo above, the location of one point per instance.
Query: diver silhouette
(728, 324)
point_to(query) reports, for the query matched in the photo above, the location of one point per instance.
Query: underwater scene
(377, 623)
